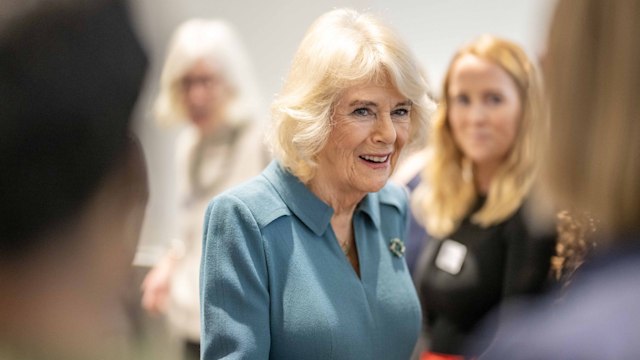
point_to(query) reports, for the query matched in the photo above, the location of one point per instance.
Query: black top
(501, 261)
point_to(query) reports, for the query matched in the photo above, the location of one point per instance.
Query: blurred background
(271, 31)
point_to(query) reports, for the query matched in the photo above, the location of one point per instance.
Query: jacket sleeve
(233, 284)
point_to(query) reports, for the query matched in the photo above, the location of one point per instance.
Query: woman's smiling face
(370, 126)
(484, 110)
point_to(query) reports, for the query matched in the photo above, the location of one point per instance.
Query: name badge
(451, 256)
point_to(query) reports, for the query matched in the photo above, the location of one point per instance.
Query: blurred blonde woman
(206, 83)
(476, 181)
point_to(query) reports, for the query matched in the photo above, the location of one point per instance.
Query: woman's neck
(213, 123)
(483, 175)
(342, 203)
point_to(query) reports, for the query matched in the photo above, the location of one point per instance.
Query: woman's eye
(494, 99)
(401, 115)
(400, 112)
(362, 112)
(461, 99)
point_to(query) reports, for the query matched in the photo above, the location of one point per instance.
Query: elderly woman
(471, 201)
(207, 84)
(306, 260)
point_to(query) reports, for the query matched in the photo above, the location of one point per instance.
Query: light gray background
(272, 29)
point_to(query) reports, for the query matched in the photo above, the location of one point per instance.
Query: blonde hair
(448, 192)
(342, 48)
(592, 161)
(215, 42)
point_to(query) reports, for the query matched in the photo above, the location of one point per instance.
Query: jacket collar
(313, 212)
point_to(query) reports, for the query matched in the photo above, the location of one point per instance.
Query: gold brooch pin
(397, 247)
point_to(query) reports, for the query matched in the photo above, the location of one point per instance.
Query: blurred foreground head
(73, 182)
(593, 74)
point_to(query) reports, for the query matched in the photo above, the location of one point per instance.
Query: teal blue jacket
(275, 283)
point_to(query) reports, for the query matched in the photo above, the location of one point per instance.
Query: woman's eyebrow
(363, 103)
(404, 103)
(373, 104)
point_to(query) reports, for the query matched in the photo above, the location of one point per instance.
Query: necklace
(351, 256)
(346, 247)
(225, 139)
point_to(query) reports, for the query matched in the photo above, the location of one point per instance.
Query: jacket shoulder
(257, 196)
(395, 196)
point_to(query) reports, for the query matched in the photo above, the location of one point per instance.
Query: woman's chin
(375, 185)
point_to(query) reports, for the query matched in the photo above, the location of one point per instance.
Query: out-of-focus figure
(479, 172)
(206, 82)
(592, 165)
(73, 182)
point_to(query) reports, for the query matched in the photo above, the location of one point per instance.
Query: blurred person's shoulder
(187, 137)
(254, 141)
(598, 318)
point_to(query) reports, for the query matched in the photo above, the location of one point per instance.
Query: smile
(375, 159)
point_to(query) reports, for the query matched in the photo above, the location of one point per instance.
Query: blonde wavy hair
(342, 48)
(447, 193)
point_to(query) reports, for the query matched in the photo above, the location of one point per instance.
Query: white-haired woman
(206, 82)
(306, 260)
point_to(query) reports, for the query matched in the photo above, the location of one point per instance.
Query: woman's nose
(477, 113)
(385, 130)
(196, 95)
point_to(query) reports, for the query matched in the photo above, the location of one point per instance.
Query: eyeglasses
(201, 81)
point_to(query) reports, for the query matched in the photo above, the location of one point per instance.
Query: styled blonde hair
(447, 193)
(341, 49)
(216, 42)
(592, 161)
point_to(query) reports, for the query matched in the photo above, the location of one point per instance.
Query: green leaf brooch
(397, 247)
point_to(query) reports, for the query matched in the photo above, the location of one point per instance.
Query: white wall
(436, 28)
(272, 29)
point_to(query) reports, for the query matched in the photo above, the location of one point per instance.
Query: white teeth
(378, 159)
